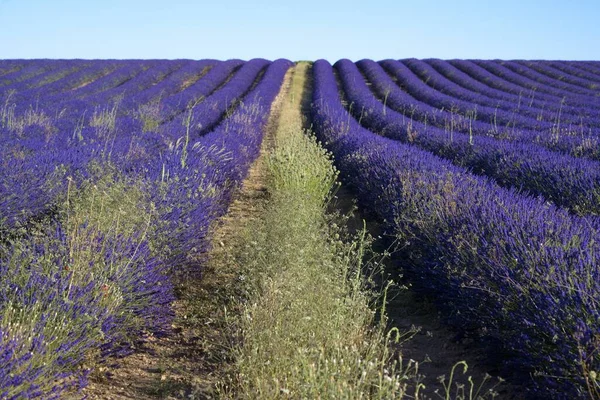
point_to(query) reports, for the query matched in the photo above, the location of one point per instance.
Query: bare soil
(87, 82)
(190, 81)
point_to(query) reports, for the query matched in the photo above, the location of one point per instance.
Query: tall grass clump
(311, 332)
(308, 329)
(112, 226)
(79, 284)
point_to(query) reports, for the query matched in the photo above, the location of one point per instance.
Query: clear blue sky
(308, 29)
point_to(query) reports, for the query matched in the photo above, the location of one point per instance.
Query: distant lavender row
(574, 141)
(67, 89)
(495, 116)
(144, 80)
(576, 136)
(543, 80)
(507, 84)
(412, 108)
(549, 75)
(68, 78)
(29, 71)
(9, 66)
(181, 79)
(205, 115)
(120, 76)
(456, 83)
(201, 89)
(566, 181)
(571, 69)
(589, 66)
(66, 139)
(130, 102)
(513, 269)
(445, 118)
(527, 81)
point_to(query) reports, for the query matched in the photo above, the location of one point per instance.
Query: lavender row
(49, 98)
(552, 106)
(589, 66)
(497, 117)
(151, 87)
(76, 111)
(65, 68)
(577, 141)
(517, 271)
(141, 81)
(144, 80)
(547, 73)
(225, 153)
(70, 78)
(126, 72)
(203, 117)
(179, 80)
(66, 140)
(546, 82)
(202, 172)
(414, 109)
(215, 78)
(528, 82)
(30, 157)
(214, 163)
(71, 139)
(574, 69)
(29, 71)
(127, 96)
(509, 82)
(566, 181)
(10, 66)
(46, 359)
(437, 81)
(78, 116)
(40, 116)
(102, 90)
(559, 114)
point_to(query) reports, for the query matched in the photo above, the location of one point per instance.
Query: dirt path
(195, 359)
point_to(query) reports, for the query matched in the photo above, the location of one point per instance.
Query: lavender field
(114, 173)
